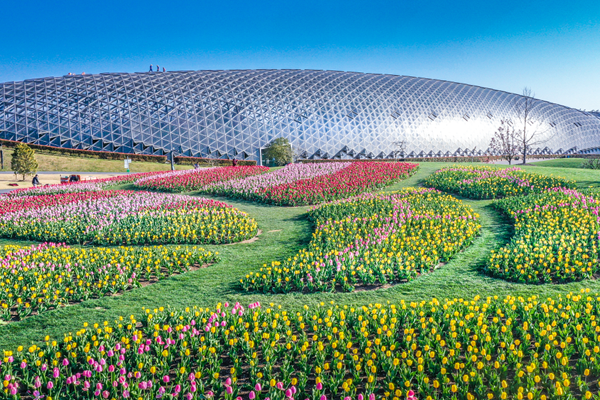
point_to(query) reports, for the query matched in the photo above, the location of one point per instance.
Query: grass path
(284, 232)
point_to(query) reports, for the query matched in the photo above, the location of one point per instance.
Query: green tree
(279, 150)
(23, 160)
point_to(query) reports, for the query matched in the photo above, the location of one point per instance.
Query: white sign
(127, 162)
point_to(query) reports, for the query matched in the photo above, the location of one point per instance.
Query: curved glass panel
(325, 114)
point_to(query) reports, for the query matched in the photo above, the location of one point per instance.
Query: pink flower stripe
(303, 184)
(16, 204)
(196, 179)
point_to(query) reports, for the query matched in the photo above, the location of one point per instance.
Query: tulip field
(318, 281)
(305, 184)
(372, 240)
(196, 179)
(123, 218)
(483, 348)
(556, 238)
(46, 276)
(492, 183)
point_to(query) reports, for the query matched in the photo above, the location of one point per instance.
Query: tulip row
(491, 348)
(373, 240)
(41, 277)
(492, 183)
(555, 240)
(248, 188)
(19, 203)
(196, 179)
(304, 184)
(125, 217)
(82, 186)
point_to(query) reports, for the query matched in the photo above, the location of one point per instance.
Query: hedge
(182, 160)
(110, 155)
(453, 159)
(105, 155)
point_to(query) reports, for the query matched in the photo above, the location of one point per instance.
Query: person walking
(150, 67)
(164, 70)
(157, 68)
(35, 181)
(235, 162)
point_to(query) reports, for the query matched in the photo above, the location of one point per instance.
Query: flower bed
(492, 348)
(247, 188)
(373, 240)
(126, 217)
(45, 276)
(196, 179)
(492, 183)
(20, 203)
(303, 184)
(556, 238)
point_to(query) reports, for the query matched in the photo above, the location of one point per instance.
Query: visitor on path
(157, 68)
(35, 181)
(164, 70)
(150, 67)
(196, 166)
(234, 162)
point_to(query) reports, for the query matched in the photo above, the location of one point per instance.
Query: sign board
(127, 161)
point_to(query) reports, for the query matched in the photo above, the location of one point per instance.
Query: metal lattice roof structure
(234, 113)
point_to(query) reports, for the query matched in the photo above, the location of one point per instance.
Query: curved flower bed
(77, 187)
(196, 179)
(556, 238)
(492, 183)
(126, 217)
(493, 348)
(50, 275)
(304, 184)
(19, 203)
(373, 240)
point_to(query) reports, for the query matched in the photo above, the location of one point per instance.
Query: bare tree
(506, 141)
(399, 148)
(530, 132)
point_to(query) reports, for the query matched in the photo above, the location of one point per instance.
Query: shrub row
(105, 155)
(217, 162)
(452, 159)
(111, 155)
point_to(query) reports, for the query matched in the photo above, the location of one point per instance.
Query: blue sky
(553, 47)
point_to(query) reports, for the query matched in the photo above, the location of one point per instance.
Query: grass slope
(284, 232)
(49, 162)
(561, 162)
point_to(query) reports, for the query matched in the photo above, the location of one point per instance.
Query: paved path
(69, 173)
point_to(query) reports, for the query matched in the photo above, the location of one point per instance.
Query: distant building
(235, 113)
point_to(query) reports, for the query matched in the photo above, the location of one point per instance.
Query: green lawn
(284, 231)
(561, 162)
(50, 162)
